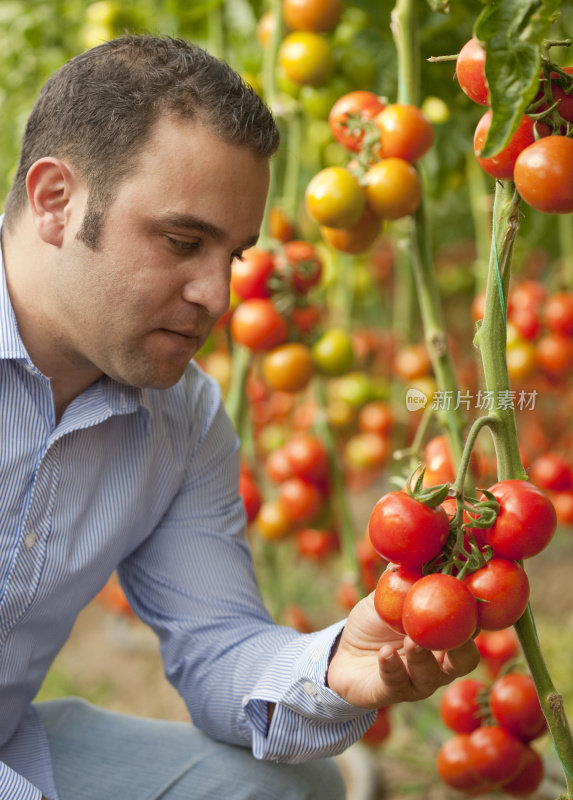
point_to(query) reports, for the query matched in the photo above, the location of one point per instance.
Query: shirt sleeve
(14, 786)
(193, 582)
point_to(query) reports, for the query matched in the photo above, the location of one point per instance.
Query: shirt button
(310, 688)
(30, 540)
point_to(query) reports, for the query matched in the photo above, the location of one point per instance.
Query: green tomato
(358, 65)
(354, 388)
(318, 100)
(333, 353)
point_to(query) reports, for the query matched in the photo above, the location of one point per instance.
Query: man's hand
(374, 666)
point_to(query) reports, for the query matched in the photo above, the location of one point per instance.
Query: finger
(424, 668)
(460, 661)
(394, 675)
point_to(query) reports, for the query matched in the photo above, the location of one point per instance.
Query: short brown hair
(98, 109)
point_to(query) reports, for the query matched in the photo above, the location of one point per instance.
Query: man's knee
(314, 780)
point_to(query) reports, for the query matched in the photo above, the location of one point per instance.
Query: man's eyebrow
(188, 222)
(191, 223)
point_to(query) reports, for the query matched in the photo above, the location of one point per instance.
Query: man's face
(140, 306)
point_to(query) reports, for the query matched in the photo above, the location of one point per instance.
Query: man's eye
(182, 244)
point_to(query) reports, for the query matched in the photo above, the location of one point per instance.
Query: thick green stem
(491, 339)
(235, 402)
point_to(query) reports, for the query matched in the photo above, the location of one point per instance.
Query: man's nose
(210, 290)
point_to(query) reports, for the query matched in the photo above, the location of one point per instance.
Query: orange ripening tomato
(289, 367)
(335, 198)
(272, 521)
(318, 16)
(543, 175)
(393, 188)
(357, 238)
(405, 132)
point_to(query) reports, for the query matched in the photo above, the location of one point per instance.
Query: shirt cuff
(309, 719)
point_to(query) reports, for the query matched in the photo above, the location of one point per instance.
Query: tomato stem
(491, 338)
(479, 423)
(235, 401)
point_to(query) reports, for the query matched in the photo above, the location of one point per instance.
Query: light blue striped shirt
(144, 481)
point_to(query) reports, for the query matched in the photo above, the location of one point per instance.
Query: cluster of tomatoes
(539, 155)
(539, 331)
(380, 182)
(494, 726)
(464, 572)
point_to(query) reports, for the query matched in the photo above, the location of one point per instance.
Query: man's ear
(49, 185)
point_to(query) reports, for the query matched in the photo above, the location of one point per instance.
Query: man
(144, 173)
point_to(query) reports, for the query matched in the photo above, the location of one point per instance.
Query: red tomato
(558, 312)
(559, 94)
(391, 590)
(305, 264)
(257, 324)
(497, 754)
(503, 588)
(563, 503)
(543, 175)
(301, 500)
(250, 493)
(555, 353)
(405, 132)
(551, 471)
(470, 72)
(380, 730)
(462, 705)
(306, 318)
(514, 703)
(393, 188)
(375, 417)
(316, 543)
(249, 274)
(308, 458)
(525, 523)
(527, 294)
(440, 612)
(412, 361)
(347, 114)
(455, 764)
(526, 321)
(502, 164)
(496, 648)
(405, 531)
(312, 15)
(278, 467)
(529, 777)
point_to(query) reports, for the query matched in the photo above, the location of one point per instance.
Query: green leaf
(512, 32)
